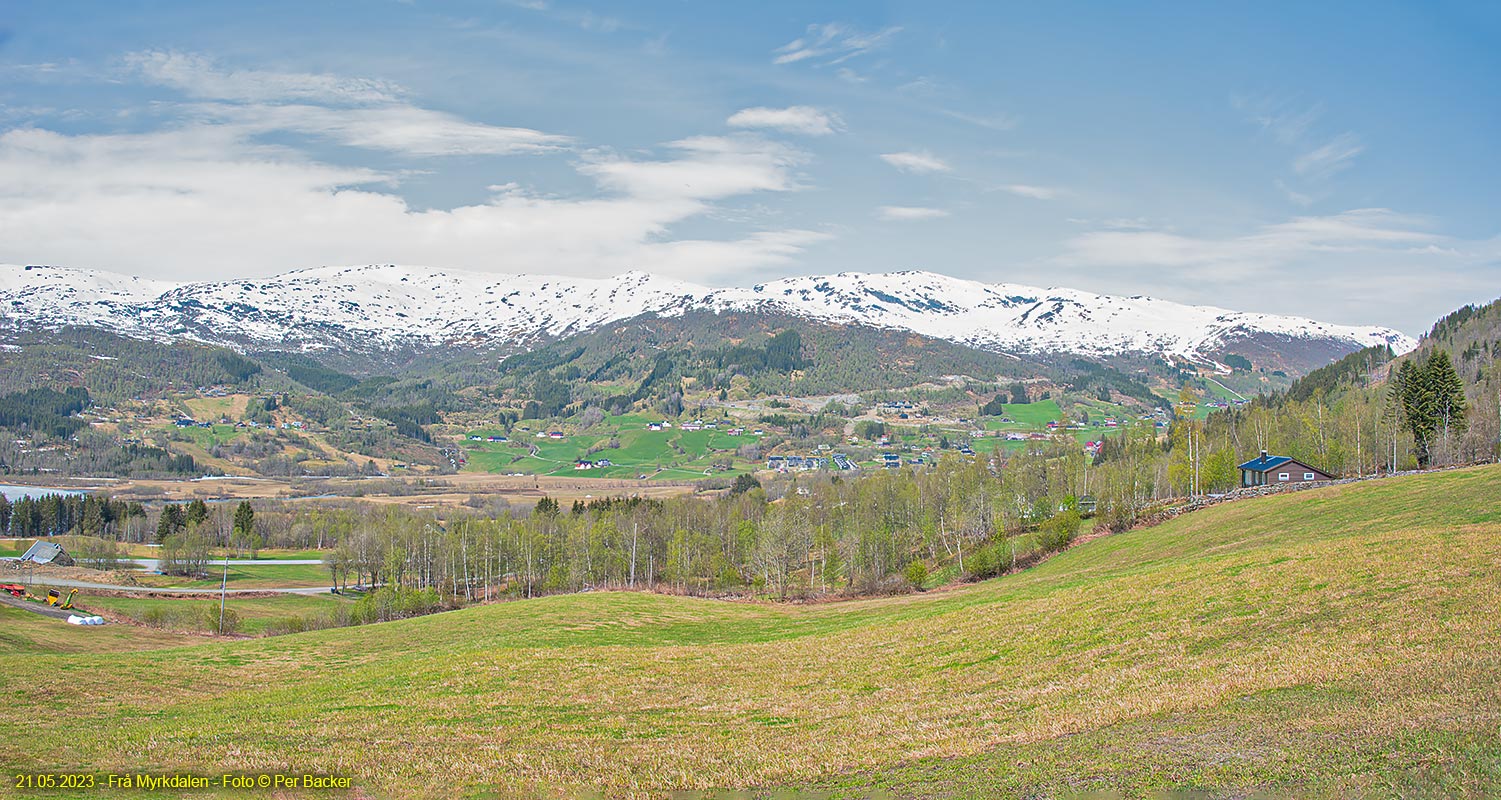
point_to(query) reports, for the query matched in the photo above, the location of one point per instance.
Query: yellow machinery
(55, 598)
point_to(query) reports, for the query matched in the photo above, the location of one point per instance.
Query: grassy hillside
(680, 454)
(1328, 642)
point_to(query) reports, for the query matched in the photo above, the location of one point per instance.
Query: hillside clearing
(1335, 641)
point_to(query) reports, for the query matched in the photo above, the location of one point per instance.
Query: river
(18, 492)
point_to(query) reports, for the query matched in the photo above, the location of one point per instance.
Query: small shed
(47, 553)
(1270, 470)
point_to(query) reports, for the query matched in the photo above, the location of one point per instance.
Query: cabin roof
(1265, 463)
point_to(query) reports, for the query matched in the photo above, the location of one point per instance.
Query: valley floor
(1344, 641)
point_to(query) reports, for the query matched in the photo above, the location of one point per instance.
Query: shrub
(916, 574)
(1059, 530)
(985, 562)
(394, 602)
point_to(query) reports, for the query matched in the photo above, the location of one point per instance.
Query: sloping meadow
(1339, 640)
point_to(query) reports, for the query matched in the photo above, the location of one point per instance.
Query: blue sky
(1336, 160)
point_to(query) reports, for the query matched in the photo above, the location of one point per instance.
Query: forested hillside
(115, 368)
(1367, 413)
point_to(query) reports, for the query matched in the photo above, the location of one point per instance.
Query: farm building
(47, 553)
(1268, 470)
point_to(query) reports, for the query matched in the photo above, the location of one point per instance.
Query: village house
(1269, 470)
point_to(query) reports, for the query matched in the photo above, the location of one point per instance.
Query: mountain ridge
(393, 307)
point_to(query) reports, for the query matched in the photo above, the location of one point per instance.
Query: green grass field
(680, 454)
(256, 613)
(248, 576)
(1034, 417)
(279, 554)
(207, 438)
(1025, 416)
(1338, 642)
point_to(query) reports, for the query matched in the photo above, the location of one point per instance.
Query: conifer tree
(1432, 401)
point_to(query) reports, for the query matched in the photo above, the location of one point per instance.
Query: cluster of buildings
(796, 463)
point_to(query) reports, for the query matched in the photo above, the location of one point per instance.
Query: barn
(1269, 470)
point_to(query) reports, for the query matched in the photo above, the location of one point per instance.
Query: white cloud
(909, 212)
(793, 119)
(710, 168)
(1034, 192)
(207, 200)
(917, 162)
(833, 41)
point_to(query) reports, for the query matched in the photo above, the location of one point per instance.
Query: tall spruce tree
(172, 521)
(1432, 401)
(1446, 392)
(244, 523)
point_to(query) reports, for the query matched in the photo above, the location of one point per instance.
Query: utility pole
(223, 590)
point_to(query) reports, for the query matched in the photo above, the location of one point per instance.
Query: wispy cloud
(1360, 230)
(1285, 122)
(587, 20)
(399, 128)
(358, 112)
(909, 212)
(1329, 158)
(1294, 126)
(1300, 198)
(793, 119)
(916, 162)
(1034, 192)
(1356, 266)
(199, 76)
(994, 122)
(832, 43)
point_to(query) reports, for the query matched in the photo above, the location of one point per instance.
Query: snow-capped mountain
(390, 307)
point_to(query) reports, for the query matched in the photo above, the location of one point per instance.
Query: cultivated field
(1344, 641)
(625, 441)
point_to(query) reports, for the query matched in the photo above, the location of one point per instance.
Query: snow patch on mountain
(386, 306)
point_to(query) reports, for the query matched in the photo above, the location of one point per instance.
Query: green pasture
(1339, 642)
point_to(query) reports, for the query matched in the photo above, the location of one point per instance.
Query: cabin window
(1282, 476)
(1308, 476)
